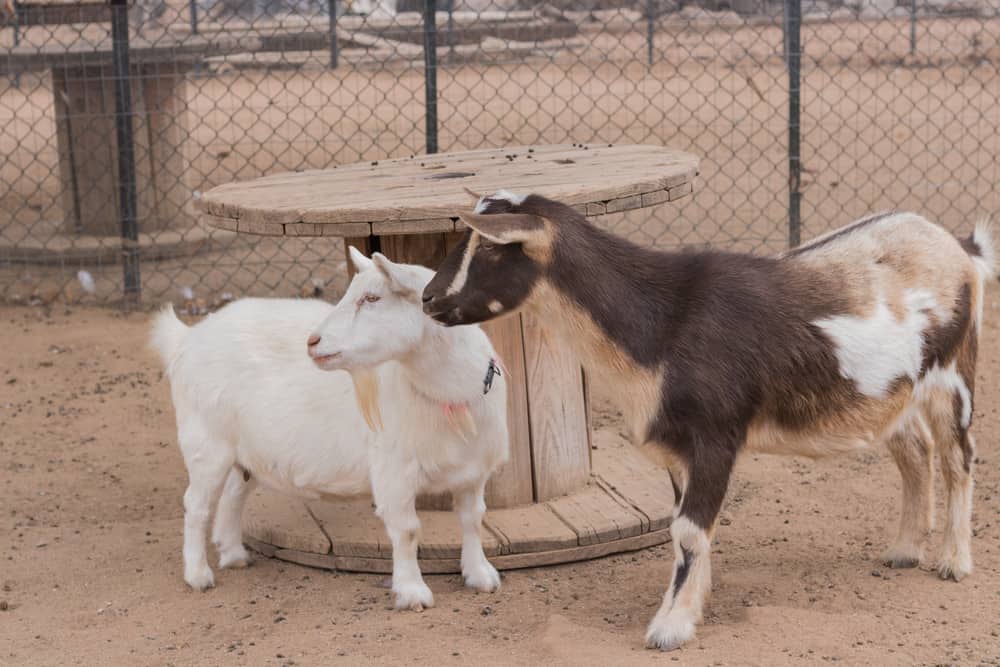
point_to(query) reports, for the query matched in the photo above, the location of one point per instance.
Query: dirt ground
(90, 549)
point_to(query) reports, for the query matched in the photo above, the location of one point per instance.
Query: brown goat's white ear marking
(495, 306)
(505, 228)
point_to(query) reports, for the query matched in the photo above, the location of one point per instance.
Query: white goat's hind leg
(956, 452)
(208, 463)
(911, 449)
(227, 531)
(403, 526)
(478, 572)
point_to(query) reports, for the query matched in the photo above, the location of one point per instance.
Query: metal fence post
(913, 27)
(650, 29)
(193, 7)
(793, 42)
(126, 151)
(334, 46)
(430, 73)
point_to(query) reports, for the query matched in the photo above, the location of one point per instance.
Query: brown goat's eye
(487, 245)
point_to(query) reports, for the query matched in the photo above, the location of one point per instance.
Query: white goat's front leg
(208, 462)
(227, 532)
(478, 572)
(403, 526)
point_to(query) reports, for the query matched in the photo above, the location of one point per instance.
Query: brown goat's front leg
(691, 531)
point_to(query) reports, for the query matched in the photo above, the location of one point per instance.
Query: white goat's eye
(372, 298)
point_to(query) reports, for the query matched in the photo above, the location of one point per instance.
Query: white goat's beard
(366, 393)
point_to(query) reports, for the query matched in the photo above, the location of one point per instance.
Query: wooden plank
(556, 405)
(503, 562)
(596, 208)
(655, 198)
(531, 529)
(413, 226)
(624, 204)
(511, 485)
(596, 516)
(283, 522)
(352, 528)
(215, 222)
(441, 536)
(682, 190)
(643, 486)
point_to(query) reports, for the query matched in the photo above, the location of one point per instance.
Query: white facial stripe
(463, 270)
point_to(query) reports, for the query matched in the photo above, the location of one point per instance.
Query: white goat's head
(378, 319)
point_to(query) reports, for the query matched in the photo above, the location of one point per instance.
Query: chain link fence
(806, 115)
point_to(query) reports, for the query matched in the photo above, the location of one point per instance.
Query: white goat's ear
(358, 259)
(504, 228)
(396, 275)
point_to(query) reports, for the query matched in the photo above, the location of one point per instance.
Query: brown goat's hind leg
(911, 449)
(691, 533)
(949, 421)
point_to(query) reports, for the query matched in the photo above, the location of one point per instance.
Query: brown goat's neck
(620, 299)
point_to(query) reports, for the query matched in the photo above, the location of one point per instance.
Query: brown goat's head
(500, 261)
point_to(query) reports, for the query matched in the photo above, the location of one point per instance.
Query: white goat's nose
(313, 340)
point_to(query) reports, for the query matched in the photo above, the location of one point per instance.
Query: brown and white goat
(865, 335)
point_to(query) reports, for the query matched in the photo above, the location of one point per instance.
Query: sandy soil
(90, 541)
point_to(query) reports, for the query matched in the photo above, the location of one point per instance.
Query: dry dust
(90, 549)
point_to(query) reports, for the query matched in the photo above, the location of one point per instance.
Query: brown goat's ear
(504, 228)
(473, 194)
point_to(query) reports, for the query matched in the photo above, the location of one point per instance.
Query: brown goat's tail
(982, 249)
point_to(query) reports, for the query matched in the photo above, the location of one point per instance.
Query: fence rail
(114, 117)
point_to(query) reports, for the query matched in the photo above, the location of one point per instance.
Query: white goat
(252, 406)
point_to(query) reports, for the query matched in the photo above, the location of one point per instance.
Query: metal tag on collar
(491, 370)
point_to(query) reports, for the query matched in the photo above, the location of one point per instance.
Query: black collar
(491, 370)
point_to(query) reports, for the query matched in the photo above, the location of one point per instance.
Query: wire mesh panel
(882, 106)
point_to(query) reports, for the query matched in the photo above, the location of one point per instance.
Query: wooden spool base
(626, 505)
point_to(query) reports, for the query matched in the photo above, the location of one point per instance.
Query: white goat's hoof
(415, 597)
(234, 558)
(483, 578)
(669, 632)
(200, 578)
(955, 566)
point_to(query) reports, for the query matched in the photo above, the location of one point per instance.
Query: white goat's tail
(167, 335)
(982, 250)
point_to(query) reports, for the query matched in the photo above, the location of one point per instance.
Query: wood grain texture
(512, 485)
(558, 411)
(351, 527)
(642, 485)
(453, 566)
(424, 193)
(597, 516)
(283, 522)
(530, 529)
